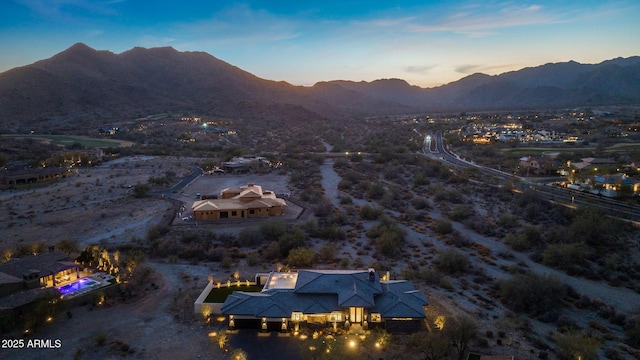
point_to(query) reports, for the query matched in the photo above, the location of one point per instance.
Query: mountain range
(82, 83)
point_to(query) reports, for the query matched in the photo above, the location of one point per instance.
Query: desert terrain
(96, 206)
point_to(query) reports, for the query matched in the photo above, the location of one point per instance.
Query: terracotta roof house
(243, 202)
(337, 297)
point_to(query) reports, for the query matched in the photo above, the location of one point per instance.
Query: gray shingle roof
(46, 264)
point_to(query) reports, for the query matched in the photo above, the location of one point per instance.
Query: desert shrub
(333, 232)
(452, 262)
(337, 218)
(442, 226)
(187, 238)
(69, 246)
(346, 200)
(532, 293)
(368, 212)
(345, 185)
(532, 234)
(226, 262)
(507, 221)
(323, 207)
(480, 225)
(593, 228)
(310, 226)
(460, 212)
(272, 251)
(301, 257)
(457, 239)
(576, 345)
(291, 240)
(420, 203)
(250, 237)
(327, 252)
(376, 191)
(420, 179)
(388, 237)
(564, 256)
(518, 242)
(632, 332)
(252, 259)
(341, 164)
(273, 229)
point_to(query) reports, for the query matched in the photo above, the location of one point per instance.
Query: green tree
(368, 212)
(327, 252)
(577, 345)
(460, 330)
(432, 346)
(388, 237)
(273, 229)
(452, 262)
(591, 227)
(633, 332)
(68, 246)
(140, 190)
(564, 256)
(532, 293)
(294, 239)
(442, 226)
(301, 257)
(3, 160)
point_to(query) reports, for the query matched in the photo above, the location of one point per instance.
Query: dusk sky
(426, 43)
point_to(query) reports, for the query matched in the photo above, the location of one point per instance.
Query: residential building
(328, 297)
(237, 203)
(245, 163)
(26, 178)
(42, 270)
(615, 185)
(532, 165)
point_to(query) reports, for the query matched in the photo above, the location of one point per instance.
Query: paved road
(434, 147)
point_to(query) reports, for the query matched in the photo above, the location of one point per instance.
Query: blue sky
(427, 43)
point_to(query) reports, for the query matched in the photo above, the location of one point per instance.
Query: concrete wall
(202, 308)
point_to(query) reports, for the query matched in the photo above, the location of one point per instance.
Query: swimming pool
(76, 286)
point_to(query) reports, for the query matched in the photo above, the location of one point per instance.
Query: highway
(434, 147)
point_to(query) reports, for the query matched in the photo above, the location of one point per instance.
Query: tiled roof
(352, 287)
(324, 291)
(241, 200)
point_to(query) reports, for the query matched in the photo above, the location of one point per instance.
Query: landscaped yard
(220, 295)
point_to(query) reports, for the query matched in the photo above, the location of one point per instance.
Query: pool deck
(101, 280)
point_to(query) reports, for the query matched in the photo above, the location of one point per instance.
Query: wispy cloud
(65, 9)
(420, 69)
(154, 41)
(475, 68)
(242, 23)
(482, 20)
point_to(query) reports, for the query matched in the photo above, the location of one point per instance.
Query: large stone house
(237, 203)
(27, 279)
(328, 297)
(27, 178)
